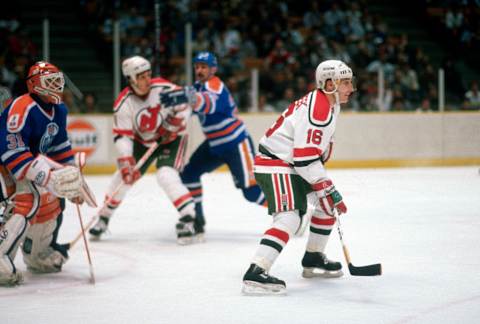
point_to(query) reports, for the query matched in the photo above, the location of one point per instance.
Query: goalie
(36, 160)
(140, 122)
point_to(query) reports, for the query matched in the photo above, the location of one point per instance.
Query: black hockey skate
(185, 230)
(316, 264)
(257, 281)
(99, 228)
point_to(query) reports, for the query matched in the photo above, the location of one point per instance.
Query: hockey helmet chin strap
(334, 91)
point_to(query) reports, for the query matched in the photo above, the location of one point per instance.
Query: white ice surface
(422, 224)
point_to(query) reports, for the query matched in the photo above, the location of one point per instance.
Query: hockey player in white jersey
(139, 122)
(290, 168)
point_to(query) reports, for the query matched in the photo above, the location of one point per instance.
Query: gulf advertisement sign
(83, 136)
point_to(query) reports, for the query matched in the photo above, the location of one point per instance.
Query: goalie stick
(368, 270)
(80, 161)
(139, 164)
(87, 250)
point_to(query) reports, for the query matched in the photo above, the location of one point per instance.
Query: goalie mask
(334, 70)
(45, 80)
(134, 66)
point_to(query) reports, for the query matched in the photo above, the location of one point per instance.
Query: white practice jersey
(300, 139)
(139, 118)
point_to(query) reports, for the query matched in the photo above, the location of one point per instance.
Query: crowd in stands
(457, 26)
(286, 49)
(284, 39)
(17, 53)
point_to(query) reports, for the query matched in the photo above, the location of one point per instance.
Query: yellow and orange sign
(83, 135)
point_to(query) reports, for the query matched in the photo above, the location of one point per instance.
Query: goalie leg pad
(11, 235)
(7, 184)
(49, 207)
(39, 253)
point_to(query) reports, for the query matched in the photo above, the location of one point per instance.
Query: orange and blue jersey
(216, 110)
(29, 127)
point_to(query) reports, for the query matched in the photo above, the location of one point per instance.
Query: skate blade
(95, 238)
(251, 288)
(200, 238)
(185, 241)
(319, 273)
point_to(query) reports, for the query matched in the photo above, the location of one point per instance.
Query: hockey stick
(90, 264)
(138, 166)
(368, 270)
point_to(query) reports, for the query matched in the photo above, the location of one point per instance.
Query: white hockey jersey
(300, 139)
(139, 118)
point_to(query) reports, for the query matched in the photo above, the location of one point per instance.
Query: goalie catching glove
(62, 181)
(329, 198)
(126, 165)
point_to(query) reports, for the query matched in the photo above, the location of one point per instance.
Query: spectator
(425, 106)
(89, 103)
(5, 98)
(7, 77)
(288, 97)
(279, 57)
(263, 105)
(472, 97)
(70, 101)
(382, 63)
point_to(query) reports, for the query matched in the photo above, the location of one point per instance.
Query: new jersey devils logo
(148, 119)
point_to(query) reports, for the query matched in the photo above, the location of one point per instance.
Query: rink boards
(362, 139)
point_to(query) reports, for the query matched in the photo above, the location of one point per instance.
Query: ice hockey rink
(422, 224)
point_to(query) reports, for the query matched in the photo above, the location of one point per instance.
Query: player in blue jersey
(37, 158)
(227, 140)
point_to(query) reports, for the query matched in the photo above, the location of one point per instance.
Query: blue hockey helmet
(206, 57)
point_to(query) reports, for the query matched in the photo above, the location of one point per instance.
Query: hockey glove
(329, 198)
(174, 98)
(63, 182)
(126, 165)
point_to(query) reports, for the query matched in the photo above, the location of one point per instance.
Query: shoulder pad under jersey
(124, 94)
(18, 113)
(214, 85)
(164, 84)
(319, 111)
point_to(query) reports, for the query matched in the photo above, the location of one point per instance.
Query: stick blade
(369, 270)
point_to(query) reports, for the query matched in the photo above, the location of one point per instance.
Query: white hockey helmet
(334, 70)
(133, 66)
